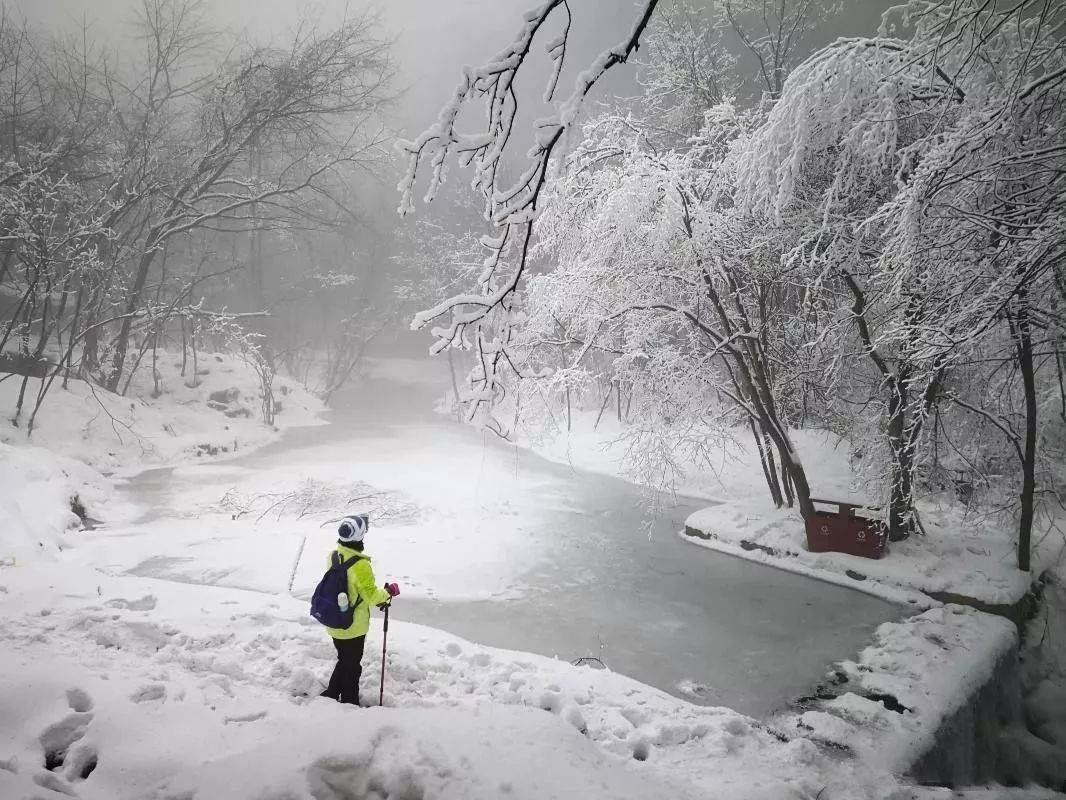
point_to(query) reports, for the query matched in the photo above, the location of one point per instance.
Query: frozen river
(510, 550)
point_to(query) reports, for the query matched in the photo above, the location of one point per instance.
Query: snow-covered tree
(129, 180)
(884, 233)
(659, 283)
(922, 175)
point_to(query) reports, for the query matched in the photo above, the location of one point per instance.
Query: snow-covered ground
(170, 655)
(964, 555)
(84, 433)
(129, 687)
(171, 689)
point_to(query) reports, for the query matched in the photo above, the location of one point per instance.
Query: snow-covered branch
(511, 208)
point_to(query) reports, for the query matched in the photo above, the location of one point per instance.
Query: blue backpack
(324, 605)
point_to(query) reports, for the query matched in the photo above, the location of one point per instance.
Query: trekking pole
(384, 644)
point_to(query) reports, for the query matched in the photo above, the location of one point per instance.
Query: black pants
(344, 682)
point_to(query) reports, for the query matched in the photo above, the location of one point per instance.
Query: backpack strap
(336, 560)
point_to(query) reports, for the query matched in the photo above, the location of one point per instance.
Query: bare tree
(773, 31)
(311, 109)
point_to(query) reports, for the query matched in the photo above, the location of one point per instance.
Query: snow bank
(115, 433)
(84, 433)
(38, 492)
(893, 700)
(954, 557)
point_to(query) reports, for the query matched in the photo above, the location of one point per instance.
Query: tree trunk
(455, 387)
(1025, 361)
(134, 297)
(195, 360)
(899, 492)
(798, 477)
(606, 400)
(24, 353)
(72, 340)
(786, 486)
(155, 366)
(769, 471)
(184, 348)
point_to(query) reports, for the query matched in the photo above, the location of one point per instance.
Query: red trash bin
(844, 531)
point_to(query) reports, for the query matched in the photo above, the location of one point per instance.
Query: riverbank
(60, 478)
(965, 552)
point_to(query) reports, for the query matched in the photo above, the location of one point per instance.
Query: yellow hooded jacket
(361, 584)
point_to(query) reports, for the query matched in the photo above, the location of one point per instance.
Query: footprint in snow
(79, 700)
(62, 749)
(253, 716)
(149, 692)
(146, 603)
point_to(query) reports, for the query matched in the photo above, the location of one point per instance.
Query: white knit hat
(353, 529)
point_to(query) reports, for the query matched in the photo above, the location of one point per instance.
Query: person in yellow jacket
(362, 593)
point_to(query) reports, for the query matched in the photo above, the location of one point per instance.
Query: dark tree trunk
(134, 297)
(606, 400)
(797, 475)
(786, 485)
(184, 348)
(769, 471)
(1024, 347)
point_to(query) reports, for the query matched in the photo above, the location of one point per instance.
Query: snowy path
(503, 548)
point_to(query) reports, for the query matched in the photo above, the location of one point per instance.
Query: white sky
(433, 38)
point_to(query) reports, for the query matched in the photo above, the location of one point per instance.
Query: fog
(429, 42)
(432, 39)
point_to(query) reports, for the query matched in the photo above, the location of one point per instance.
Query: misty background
(308, 278)
(428, 44)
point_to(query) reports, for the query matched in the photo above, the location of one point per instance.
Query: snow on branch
(488, 312)
(841, 113)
